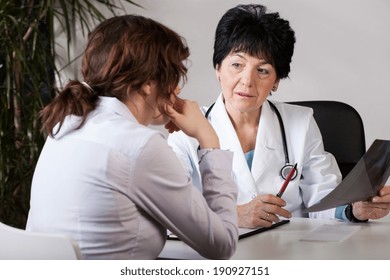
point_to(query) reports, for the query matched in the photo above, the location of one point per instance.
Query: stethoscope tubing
(285, 170)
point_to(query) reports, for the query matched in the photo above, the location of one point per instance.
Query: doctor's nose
(246, 80)
(245, 83)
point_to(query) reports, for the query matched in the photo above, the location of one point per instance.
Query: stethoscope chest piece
(286, 170)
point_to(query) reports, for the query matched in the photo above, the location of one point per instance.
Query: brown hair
(122, 54)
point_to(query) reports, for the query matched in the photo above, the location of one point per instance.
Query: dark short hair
(251, 29)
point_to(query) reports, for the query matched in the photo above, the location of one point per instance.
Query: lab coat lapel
(268, 140)
(228, 140)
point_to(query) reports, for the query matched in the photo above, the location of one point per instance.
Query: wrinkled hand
(261, 211)
(377, 208)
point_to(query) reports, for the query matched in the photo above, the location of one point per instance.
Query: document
(243, 232)
(363, 182)
(246, 232)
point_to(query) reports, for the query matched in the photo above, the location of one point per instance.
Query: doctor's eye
(262, 72)
(236, 65)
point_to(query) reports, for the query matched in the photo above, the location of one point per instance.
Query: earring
(219, 79)
(274, 88)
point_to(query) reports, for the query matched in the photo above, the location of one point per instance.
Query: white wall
(342, 51)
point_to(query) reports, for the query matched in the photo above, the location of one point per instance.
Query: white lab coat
(318, 172)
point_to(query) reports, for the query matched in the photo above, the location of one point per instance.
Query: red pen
(288, 179)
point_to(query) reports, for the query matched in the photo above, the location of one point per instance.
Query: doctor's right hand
(262, 211)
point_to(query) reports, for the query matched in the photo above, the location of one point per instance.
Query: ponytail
(75, 99)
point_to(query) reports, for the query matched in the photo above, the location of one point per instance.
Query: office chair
(342, 131)
(18, 244)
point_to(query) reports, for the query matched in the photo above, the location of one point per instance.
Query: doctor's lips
(242, 94)
(288, 179)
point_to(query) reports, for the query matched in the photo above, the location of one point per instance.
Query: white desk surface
(371, 241)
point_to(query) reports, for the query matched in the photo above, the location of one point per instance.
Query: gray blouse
(115, 186)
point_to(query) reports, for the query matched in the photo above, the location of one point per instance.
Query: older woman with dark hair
(108, 180)
(252, 52)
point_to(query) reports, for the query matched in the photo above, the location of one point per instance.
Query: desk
(372, 241)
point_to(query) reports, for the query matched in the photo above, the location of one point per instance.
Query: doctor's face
(246, 82)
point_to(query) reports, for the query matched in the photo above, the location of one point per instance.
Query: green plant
(27, 77)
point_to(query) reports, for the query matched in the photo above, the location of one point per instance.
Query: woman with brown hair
(114, 184)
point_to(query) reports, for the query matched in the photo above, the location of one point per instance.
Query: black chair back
(342, 131)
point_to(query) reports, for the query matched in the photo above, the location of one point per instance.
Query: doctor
(252, 53)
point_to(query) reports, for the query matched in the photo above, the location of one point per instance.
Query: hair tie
(87, 86)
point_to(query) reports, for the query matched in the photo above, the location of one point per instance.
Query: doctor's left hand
(377, 208)
(262, 211)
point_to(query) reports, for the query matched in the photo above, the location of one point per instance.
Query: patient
(110, 182)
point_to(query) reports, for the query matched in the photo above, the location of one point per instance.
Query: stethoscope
(285, 170)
